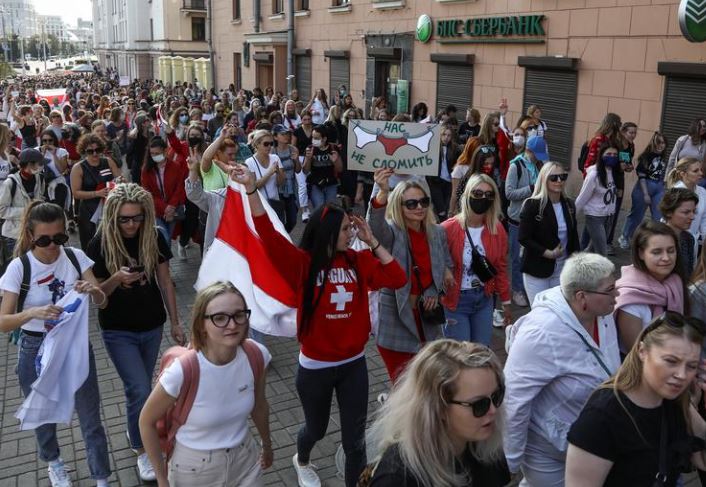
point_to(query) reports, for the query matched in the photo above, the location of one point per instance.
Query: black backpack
(583, 155)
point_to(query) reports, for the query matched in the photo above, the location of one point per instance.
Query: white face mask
(158, 158)
(518, 140)
(316, 142)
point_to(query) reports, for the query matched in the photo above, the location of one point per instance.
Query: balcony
(193, 6)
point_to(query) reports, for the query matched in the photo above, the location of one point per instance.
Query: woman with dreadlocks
(132, 263)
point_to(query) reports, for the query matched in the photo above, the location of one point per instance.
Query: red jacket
(503, 143)
(340, 325)
(593, 147)
(178, 150)
(495, 251)
(174, 192)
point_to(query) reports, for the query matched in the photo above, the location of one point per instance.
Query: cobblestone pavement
(20, 467)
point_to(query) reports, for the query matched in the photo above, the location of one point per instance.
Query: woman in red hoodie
(164, 179)
(332, 282)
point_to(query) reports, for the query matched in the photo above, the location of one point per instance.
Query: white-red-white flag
(55, 97)
(238, 255)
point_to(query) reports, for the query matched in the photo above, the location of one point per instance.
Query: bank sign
(692, 19)
(502, 30)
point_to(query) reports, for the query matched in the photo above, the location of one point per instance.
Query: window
(236, 9)
(151, 29)
(340, 3)
(277, 7)
(198, 28)
(303, 5)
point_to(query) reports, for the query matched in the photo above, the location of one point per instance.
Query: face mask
(183, 118)
(518, 140)
(316, 142)
(487, 170)
(610, 161)
(158, 158)
(480, 206)
(194, 141)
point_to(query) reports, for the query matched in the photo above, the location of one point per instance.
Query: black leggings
(315, 388)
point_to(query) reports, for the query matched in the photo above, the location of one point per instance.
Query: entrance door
(265, 75)
(386, 75)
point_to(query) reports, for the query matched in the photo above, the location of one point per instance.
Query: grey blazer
(397, 329)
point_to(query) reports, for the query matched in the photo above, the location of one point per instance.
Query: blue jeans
(656, 190)
(134, 354)
(87, 407)
(320, 196)
(167, 228)
(513, 234)
(473, 319)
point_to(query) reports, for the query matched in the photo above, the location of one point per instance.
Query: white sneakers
(181, 252)
(518, 297)
(305, 215)
(58, 476)
(306, 475)
(498, 318)
(623, 242)
(145, 468)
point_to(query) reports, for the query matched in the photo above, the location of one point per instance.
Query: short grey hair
(584, 271)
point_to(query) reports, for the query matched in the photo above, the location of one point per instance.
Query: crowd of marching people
(603, 382)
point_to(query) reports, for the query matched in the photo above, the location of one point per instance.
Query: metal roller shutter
(684, 101)
(555, 92)
(303, 77)
(454, 86)
(339, 74)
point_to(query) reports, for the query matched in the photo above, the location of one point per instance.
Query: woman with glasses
(215, 446)
(333, 320)
(403, 221)
(89, 184)
(651, 284)
(57, 189)
(639, 427)
(478, 246)
(548, 231)
(650, 170)
(54, 271)
(558, 354)
(483, 162)
(268, 170)
(442, 425)
(486, 137)
(132, 264)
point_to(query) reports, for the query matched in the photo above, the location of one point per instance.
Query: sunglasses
(47, 141)
(46, 240)
(480, 407)
(267, 143)
(555, 178)
(91, 152)
(413, 204)
(221, 320)
(487, 149)
(478, 194)
(123, 220)
(676, 320)
(220, 112)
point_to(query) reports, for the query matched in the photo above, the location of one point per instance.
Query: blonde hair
(394, 210)
(112, 243)
(541, 191)
(414, 415)
(679, 169)
(492, 216)
(198, 310)
(258, 135)
(4, 140)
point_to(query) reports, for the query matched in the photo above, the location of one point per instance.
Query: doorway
(387, 73)
(265, 75)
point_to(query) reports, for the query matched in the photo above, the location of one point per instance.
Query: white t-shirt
(561, 225)
(468, 276)
(60, 153)
(224, 400)
(639, 311)
(459, 171)
(5, 167)
(48, 284)
(269, 190)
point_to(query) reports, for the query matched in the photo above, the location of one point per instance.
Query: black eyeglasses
(555, 178)
(412, 204)
(91, 152)
(46, 240)
(480, 407)
(221, 320)
(676, 320)
(478, 194)
(123, 220)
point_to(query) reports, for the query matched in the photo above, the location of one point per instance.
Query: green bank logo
(424, 28)
(692, 19)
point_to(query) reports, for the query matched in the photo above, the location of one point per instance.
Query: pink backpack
(177, 414)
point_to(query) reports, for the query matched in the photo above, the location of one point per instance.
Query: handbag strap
(593, 351)
(415, 267)
(257, 165)
(661, 477)
(468, 234)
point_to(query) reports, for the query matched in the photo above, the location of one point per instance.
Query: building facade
(52, 25)
(131, 35)
(18, 18)
(577, 59)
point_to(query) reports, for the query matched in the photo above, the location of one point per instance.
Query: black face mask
(194, 141)
(481, 205)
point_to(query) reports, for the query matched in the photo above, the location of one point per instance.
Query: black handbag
(480, 265)
(662, 474)
(435, 316)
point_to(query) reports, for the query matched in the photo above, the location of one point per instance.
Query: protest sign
(124, 81)
(408, 148)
